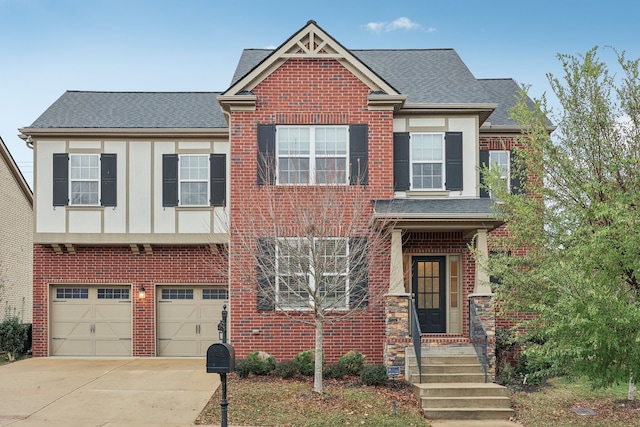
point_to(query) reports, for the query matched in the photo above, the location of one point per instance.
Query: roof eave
(385, 101)
(489, 128)
(483, 110)
(119, 132)
(237, 102)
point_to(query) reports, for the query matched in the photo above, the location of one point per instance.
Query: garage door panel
(188, 319)
(91, 321)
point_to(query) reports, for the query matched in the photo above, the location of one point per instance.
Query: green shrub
(261, 363)
(374, 375)
(353, 362)
(305, 362)
(12, 336)
(337, 371)
(243, 368)
(286, 369)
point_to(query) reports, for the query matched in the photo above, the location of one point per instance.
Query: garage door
(91, 321)
(188, 319)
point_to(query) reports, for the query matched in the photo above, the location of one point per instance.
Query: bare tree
(312, 247)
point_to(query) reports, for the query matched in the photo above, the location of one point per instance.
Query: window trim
(206, 180)
(313, 156)
(311, 278)
(507, 178)
(442, 162)
(97, 180)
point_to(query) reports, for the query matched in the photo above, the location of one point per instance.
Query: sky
(50, 46)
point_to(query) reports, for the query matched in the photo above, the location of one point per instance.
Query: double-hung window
(427, 161)
(311, 273)
(312, 155)
(499, 160)
(194, 180)
(84, 179)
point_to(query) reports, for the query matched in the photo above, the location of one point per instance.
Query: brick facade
(118, 265)
(310, 91)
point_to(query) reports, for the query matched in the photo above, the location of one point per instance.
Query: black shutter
(218, 172)
(169, 180)
(60, 179)
(266, 154)
(359, 272)
(517, 175)
(358, 154)
(484, 165)
(266, 274)
(453, 160)
(401, 161)
(108, 180)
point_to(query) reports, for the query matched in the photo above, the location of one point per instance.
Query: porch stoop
(453, 386)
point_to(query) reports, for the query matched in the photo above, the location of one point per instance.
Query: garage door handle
(124, 339)
(164, 339)
(54, 338)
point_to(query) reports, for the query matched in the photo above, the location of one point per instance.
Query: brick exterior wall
(303, 91)
(118, 265)
(16, 241)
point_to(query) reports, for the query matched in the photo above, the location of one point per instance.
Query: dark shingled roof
(505, 93)
(445, 207)
(78, 109)
(435, 76)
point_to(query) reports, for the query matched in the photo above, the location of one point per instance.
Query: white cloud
(402, 23)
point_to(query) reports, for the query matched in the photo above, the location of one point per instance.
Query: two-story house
(138, 197)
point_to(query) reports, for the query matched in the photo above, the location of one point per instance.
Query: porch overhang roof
(438, 214)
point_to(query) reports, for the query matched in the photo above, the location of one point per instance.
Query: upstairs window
(499, 161)
(313, 155)
(84, 179)
(309, 155)
(427, 161)
(194, 180)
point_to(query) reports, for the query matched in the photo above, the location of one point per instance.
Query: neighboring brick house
(16, 240)
(138, 190)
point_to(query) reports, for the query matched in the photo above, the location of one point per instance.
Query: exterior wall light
(142, 292)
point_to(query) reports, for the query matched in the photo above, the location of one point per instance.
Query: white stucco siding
(49, 219)
(139, 198)
(194, 221)
(115, 218)
(164, 219)
(469, 128)
(85, 221)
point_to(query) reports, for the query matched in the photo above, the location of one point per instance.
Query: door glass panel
(428, 281)
(454, 283)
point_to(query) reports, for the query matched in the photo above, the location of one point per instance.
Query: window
(311, 155)
(427, 161)
(177, 293)
(84, 179)
(297, 275)
(194, 180)
(215, 294)
(499, 160)
(72, 293)
(108, 293)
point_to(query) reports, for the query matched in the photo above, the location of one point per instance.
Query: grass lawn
(551, 405)
(271, 401)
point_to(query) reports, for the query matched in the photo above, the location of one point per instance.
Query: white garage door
(188, 319)
(91, 321)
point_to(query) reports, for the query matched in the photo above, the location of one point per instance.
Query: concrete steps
(453, 386)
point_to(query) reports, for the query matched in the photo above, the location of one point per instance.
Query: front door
(429, 287)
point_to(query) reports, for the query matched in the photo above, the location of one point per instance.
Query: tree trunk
(631, 395)
(317, 375)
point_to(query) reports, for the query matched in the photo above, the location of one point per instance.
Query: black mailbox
(221, 359)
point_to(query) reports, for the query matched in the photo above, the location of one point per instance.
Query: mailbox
(221, 359)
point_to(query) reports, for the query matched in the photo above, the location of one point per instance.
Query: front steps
(453, 386)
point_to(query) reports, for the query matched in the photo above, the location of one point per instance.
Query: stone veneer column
(486, 310)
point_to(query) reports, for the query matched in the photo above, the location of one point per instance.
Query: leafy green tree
(580, 221)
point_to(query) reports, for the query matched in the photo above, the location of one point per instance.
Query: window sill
(426, 193)
(194, 208)
(86, 207)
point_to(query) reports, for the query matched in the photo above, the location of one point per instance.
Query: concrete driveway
(104, 392)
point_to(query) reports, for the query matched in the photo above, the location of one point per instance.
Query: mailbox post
(221, 359)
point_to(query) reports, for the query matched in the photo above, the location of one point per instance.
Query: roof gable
(310, 42)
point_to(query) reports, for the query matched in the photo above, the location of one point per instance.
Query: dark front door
(429, 287)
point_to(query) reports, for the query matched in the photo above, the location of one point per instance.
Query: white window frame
(505, 170)
(313, 155)
(309, 304)
(73, 180)
(183, 180)
(413, 162)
